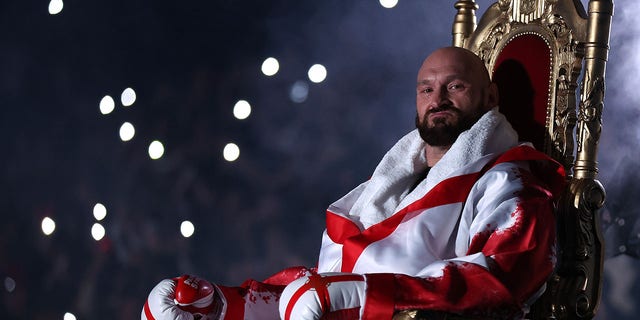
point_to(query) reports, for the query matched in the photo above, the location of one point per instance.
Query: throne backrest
(539, 52)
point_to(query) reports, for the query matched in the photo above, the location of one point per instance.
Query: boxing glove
(182, 298)
(323, 296)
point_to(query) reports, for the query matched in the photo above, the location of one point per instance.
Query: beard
(444, 131)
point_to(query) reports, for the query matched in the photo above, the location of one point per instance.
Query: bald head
(462, 59)
(453, 91)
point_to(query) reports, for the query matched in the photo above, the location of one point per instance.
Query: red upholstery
(522, 74)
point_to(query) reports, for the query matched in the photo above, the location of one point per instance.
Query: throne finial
(465, 21)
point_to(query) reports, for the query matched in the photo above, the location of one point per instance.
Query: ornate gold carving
(590, 116)
(564, 119)
(525, 11)
(504, 5)
(566, 66)
(528, 6)
(428, 315)
(580, 260)
(569, 58)
(406, 315)
(589, 196)
(488, 46)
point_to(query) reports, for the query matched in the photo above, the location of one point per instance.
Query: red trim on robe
(343, 314)
(380, 300)
(235, 301)
(445, 192)
(465, 288)
(147, 311)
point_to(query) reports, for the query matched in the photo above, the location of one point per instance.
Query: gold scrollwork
(488, 46)
(525, 11)
(569, 57)
(565, 117)
(504, 5)
(590, 115)
(528, 6)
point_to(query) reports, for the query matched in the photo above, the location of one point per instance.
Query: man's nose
(440, 97)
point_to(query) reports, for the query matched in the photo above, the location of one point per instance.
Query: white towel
(388, 189)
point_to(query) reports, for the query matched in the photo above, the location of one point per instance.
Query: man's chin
(438, 135)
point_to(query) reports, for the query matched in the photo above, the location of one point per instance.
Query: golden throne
(538, 52)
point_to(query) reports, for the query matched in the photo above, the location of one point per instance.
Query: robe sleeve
(258, 300)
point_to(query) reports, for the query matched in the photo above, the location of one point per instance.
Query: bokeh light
(127, 131)
(388, 3)
(69, 316)
(270, 66)
(9, 284)
(128, 97)
(48, 226)
(231, 152)
(241, 110)
(97, 231)
(99, 211)
(55, 6)
(156, 150)
(187, 228)
(317, 73)
(107, 104)
(299, 91)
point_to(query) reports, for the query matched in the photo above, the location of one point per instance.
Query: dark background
(189, 62)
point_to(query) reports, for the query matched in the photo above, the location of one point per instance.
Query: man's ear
(493, 96)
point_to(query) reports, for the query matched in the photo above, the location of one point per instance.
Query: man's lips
(441, 113)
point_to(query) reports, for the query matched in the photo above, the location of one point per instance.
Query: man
(457, 217)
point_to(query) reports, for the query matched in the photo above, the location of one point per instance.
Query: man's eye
(427, 90)
(455, 86)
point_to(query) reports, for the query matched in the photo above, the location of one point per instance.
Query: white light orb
(388, 3)
(156, 150)
(99, 211)
(270, 66)
(55, 6)
(299, 91)
(317, 73)
(231, 152)
(127, 131)
(9, 284)
(107, 104)
(187, 228)
(69, 316)
(241, 110)
(48, 226)
(128, 97)
(97, 231)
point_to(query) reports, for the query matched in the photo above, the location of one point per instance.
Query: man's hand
(183, 298)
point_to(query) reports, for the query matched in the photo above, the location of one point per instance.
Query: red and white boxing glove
(324, 296)
(182, 298)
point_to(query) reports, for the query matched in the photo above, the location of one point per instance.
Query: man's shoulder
(523, 152)
(537, 164)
